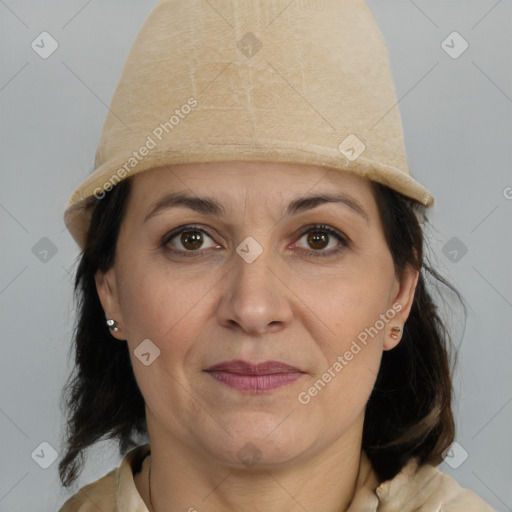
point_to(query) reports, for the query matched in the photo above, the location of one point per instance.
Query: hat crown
(306, 71)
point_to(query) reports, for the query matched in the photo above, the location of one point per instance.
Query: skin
(285, 306)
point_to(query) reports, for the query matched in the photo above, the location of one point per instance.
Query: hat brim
(77, 212)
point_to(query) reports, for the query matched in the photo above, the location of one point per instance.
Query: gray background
(457, 115)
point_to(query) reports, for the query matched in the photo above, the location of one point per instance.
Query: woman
(252, 239)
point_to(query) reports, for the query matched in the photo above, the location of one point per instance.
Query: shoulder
(426, 488)
(110, 492)
(99, 494)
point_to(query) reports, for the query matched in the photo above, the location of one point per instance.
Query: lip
(246, 368)
(254, 377)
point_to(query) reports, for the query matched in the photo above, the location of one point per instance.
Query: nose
(256, 299)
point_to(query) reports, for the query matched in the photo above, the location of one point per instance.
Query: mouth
(254, 377)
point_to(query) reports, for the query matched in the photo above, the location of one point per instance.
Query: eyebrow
(208, 206)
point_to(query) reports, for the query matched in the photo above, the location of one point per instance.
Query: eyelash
(314, 254)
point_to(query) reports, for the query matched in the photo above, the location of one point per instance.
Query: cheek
(167, 310)
(340, 391)
(355, 307)
(349, 306)
(163, 306)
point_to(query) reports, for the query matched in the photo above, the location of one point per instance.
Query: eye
(188, 239)
(319, 237)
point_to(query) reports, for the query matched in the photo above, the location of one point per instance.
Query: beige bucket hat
(301, 81)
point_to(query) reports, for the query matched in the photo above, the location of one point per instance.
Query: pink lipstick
(254, 378)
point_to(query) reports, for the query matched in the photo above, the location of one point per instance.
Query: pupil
(195, 239)
(317, 237)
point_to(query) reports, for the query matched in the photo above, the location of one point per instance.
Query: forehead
(259, 181)
(251, 192)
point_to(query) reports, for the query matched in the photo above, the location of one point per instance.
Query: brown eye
(318, 239)
(187, 240)
(191, 239)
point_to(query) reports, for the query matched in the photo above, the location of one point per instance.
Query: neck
(182, 479)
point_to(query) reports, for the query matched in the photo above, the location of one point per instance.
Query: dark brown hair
(408, 413)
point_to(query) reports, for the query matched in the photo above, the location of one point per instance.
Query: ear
(106, 286)
(402, 304)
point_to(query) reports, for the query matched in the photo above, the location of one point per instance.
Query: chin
(261, 444)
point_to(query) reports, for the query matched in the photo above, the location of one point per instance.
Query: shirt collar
(128, 498)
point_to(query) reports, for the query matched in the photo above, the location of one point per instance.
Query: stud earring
(112, 325)
(395, 332)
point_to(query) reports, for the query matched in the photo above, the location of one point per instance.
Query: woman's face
(244, 277)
